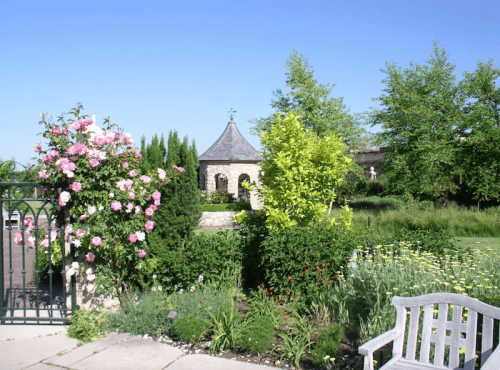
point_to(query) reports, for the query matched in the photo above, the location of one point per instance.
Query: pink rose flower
(138, 155)
(96, 241)
(116, 205)
(149, 212)
(84, 217)
(18, 238)
(94, 163)
(64, 198)
(80, 233)
(76, 186)
(153, 207)
(149, 225)
(44, 174)
(45, 242)
(132, 238)
(91, 210)
(141, 253)
(57, 130)
(90, 257)
(131, 196)
(38, 147)
(125, 164)
(79, 149)
(133, 173)
(76, 125)
(157, 202)
(156, 195)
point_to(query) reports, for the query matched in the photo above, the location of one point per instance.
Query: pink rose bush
(107, 194)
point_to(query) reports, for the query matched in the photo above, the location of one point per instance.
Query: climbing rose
(146, 179)
(90, 257)
(94, 163)
(141, 236)
(141, 253)
(116, 205)
(38, 147)
(91, 210)
(149, 212)
(76, 186)
(132, 238)
(64, 198)
(133, 173)
(125, 164)
(96, 241)
(18, 237)
(80, 233)
(131, 196)
(149, 225)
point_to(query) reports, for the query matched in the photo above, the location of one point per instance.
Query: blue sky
(156, 66)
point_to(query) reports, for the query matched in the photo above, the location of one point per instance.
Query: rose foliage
(110, 204)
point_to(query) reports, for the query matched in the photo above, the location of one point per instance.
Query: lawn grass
(478, 243)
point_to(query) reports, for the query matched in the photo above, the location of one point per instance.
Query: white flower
(138, 210)
(192, 289)
(77, 243)
(181, 291)
(91, 277)
(160, 288)
(69, 228)
(162, 174)
(111, 195)
(141, 236)
(91, 210)
(71, 271)
(200, 278)
(89, 271)
(153, 289)
(64, 196)
(154, 277)
(75, 265)
(100, 208)
(70, 174)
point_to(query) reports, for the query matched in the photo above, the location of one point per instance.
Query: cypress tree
(163, 150)
(145, 167)
(155, 157)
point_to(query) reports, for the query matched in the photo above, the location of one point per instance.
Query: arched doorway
(221, 182)
(242, 192)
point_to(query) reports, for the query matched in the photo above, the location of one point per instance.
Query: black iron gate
(33, 255)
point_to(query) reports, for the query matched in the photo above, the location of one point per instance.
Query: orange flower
(328, 277)
(330, 282)
(297, 298)
(324, 265)
(307, 270)
(287, 293)
(270, 288)
(289, 278)
(264, 291)
(307, 263)
(293, 281)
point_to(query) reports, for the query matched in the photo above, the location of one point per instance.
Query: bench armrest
(371, 346)
(493, 362)
(380, 341)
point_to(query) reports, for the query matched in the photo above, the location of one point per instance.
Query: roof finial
(231, 111)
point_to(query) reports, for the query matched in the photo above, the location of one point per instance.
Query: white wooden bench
(437, 342)
(11, 219)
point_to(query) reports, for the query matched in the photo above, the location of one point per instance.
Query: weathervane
(231, 111)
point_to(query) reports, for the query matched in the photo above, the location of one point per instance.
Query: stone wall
(232, 171)
(218, 218)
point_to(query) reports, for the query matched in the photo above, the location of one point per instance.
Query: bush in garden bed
(217, 257)
(301, 261)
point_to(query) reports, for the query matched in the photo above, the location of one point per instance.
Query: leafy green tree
(421, 109)
(145, 167)
(299, 172)
(310, 100)
(480, 133)
(155, 156)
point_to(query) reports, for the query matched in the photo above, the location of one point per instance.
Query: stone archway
(242, 192)
(221, 182)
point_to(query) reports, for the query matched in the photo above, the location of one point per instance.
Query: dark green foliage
(257, 334)
(437, 242)
(327, 346)
(217, 197)
(304, 260)
(203, 302)
(217, 257)
(252, 234)
(191, 328)
(180, 211)
(149, 316)
(240, 206)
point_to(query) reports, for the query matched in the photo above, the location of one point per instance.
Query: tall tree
(155, 157)
(180, 210)
(480, 133)
(312, 102)
(421, 109)
(163, 150)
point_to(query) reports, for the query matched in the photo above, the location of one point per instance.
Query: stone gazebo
(227, 163)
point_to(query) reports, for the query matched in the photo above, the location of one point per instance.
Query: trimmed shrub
(217, 257)
(327, 347)
(203, 302)
(257, 334)
(300, 261)
(240, 206)
(191, 328)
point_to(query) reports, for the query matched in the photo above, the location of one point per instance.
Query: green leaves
(299, 172)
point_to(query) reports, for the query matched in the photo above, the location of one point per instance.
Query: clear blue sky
(156, 66)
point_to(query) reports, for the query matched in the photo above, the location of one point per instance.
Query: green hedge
(217, 257)
(301, 261)
(224, 207)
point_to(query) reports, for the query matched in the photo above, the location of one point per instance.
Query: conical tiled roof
(231, 146)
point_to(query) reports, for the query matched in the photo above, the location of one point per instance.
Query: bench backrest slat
(443, 340)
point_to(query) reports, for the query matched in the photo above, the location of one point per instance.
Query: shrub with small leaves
(88, 325)
(191, 328)
(327, 347)
(257, 334)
